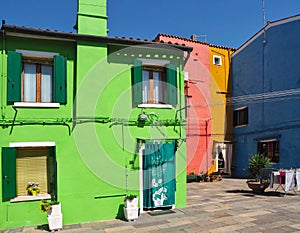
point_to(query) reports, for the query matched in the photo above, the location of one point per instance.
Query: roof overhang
(18, 31)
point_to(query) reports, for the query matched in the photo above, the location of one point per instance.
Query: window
(37, 82)
(21, 165)
(270, 149)
(36, 79)
(217, 60)
(154, 84)
(240, 117)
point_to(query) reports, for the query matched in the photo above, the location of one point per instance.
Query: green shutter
(60, 73)
(137, 83)
(8, 172)
(14, 71)
(172, 84)
(52, 172)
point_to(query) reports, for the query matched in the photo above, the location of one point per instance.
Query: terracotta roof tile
(190, 40)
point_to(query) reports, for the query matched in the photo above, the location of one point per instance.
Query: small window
(154, 84)
(240, 117)
(22, 165)
(270, 149)
(35, 78)
(37, 82)
(217, 60)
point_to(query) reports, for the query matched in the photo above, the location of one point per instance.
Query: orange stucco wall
(198, 130)
(206, 114)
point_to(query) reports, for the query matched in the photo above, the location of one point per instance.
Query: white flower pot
(131, 213)
(55, 222)
(55, 210)
(131, 203)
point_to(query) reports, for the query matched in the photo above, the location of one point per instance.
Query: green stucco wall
(91, 17)
(96, 133)
(97, 164)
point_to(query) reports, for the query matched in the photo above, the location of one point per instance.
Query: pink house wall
(199, 157)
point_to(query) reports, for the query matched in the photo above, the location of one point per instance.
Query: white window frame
(217, 60)
(159, 63)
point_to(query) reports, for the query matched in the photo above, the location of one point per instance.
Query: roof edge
(190, 40)
(264, 29)
(75, 37)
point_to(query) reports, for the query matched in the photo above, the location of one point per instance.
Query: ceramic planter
(55, 217)
(131, 210)
(55, 222)
(55, 210)
(258, 187)
(131, 213)
(131, 203)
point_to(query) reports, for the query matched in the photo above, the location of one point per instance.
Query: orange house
(207, 87)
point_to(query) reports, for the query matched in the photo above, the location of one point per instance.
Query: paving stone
(120, 229)
(225, 206)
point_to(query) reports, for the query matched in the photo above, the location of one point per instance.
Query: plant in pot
(53, 209)
(33, 188)
(256, 163)
(131, 210)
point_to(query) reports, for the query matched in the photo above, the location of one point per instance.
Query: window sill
(155, 106)
(35, 105)
(30, 198)
(240, 126)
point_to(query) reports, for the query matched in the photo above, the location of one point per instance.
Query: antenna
(194, 37)
(264, 21)
(264, 12)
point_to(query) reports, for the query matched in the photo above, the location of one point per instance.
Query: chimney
(91, 17)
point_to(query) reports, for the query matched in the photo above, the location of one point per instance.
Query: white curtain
(146, 87)
(46, 84)
(156, 87)
(29, 83)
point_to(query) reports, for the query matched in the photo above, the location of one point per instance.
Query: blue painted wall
(266, 79)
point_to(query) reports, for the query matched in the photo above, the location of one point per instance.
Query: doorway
(157, 177)
(223, 149)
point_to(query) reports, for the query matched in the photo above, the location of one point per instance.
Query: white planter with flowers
(53, 209)
(131, 209)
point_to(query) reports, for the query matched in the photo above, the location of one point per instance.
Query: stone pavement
(223, 206)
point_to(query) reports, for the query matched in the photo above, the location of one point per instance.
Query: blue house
(265, 96)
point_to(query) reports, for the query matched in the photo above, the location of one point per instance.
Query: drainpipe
(2, 75)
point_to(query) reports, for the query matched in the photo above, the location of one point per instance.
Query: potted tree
(131, 210)
(53, 209)
(256, 163)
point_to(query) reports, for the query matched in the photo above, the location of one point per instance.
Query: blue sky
(224, 22)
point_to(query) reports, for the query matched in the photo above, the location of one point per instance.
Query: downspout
(180, 96)
(2, 75)
(181, 92)
(263, 75)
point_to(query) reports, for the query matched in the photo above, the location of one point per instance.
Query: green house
(90, 118)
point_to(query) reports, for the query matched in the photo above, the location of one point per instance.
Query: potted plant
(191, 177)
(33, 188)
(256, 163)
(53, 209)
(131, 210)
